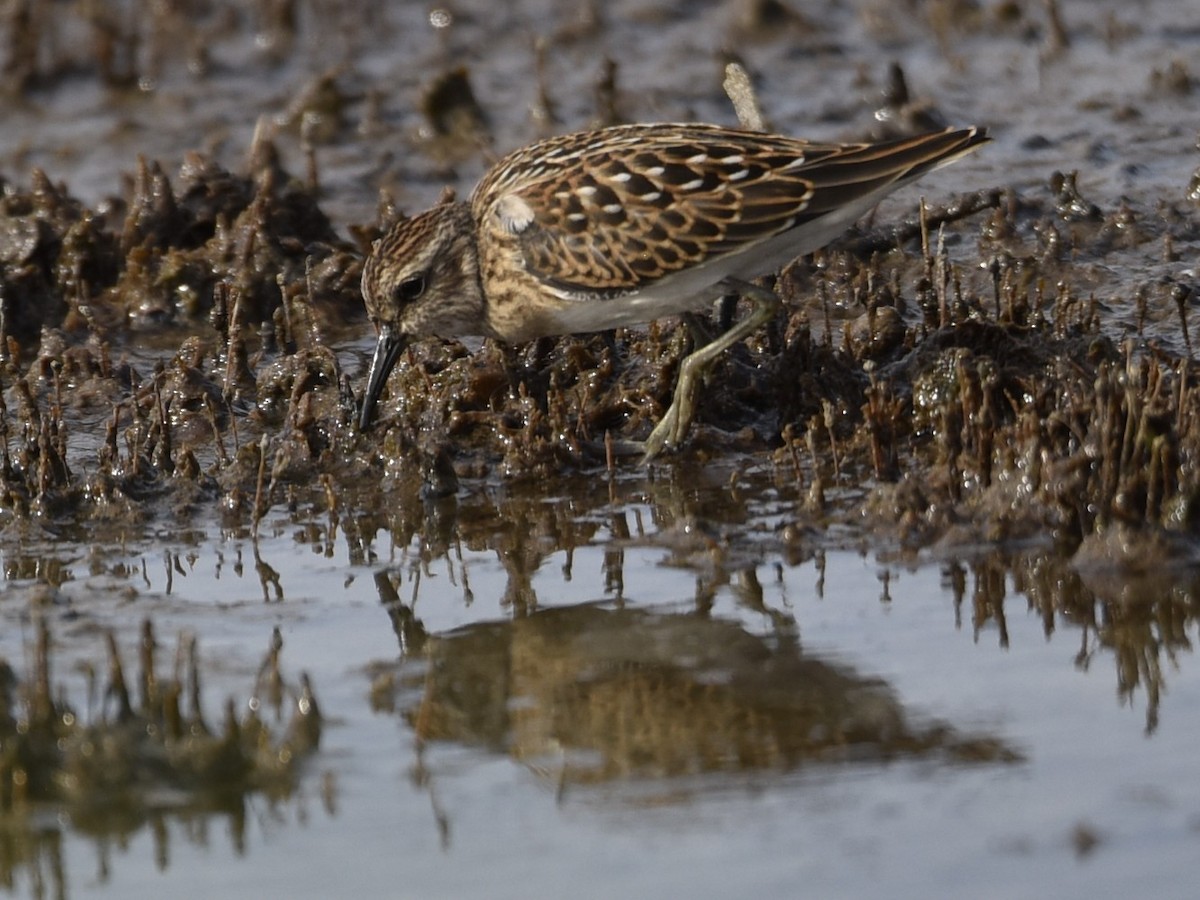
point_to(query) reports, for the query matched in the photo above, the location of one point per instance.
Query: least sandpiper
(617, 227)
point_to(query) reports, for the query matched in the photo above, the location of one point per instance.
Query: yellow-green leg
(671, 431)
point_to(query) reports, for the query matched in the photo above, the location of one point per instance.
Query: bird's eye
(410, 289)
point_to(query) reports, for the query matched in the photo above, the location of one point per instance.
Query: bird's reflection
(703, 526)
(592, 693)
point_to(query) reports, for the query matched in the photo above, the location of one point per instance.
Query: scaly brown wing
(611, 212)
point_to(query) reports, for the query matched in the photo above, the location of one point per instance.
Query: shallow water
(1028, 731)
(1083, 796)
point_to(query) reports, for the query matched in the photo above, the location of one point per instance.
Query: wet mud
(1003, 369)
(946, 368)
(960, 368)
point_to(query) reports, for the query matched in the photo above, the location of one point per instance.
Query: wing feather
(616, 211)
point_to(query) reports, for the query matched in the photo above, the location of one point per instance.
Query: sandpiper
(619, 226)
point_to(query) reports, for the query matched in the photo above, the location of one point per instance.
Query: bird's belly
(600, 313)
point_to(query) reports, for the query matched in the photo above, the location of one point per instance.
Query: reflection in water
(593, 694)
(720, 536)
(630, 688)
(139, 755)
(590, 694)
(1142, 621)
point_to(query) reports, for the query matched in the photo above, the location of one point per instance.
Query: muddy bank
(191, 341)
(1003, 383)
(949, 369)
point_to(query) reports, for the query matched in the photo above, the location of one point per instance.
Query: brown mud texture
(187, 349)
(983, 389)
(990, 369)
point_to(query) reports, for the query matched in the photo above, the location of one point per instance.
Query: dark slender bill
(387, 351)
